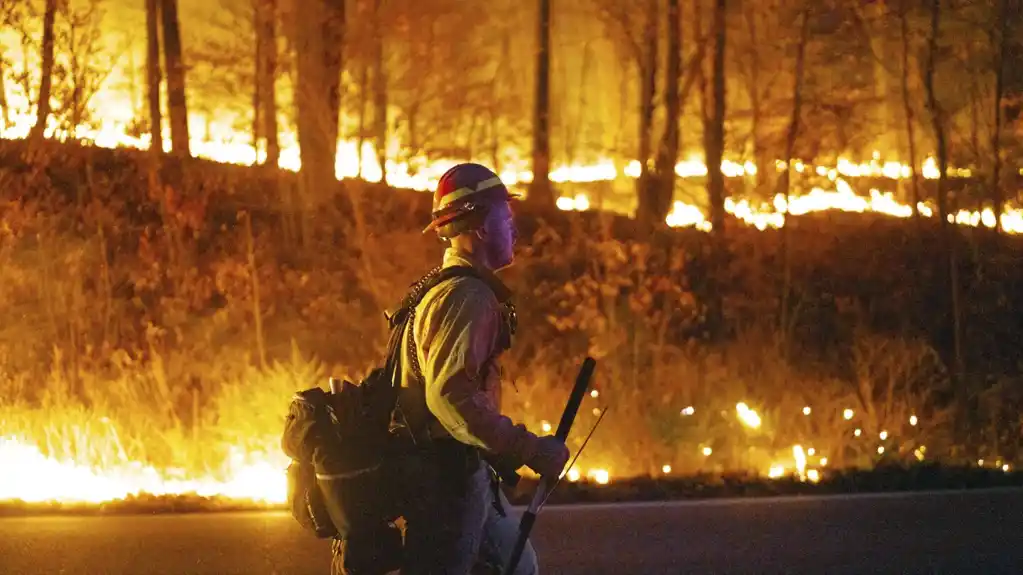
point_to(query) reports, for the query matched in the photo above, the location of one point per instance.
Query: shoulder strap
(400, 319)
(419, 291)
(403, 319)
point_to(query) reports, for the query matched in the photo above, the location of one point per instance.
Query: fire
(218, 140)
(33, 477)
(844, 199)
(226, 145)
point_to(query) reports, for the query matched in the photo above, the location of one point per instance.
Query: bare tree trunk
(997, 195)
(701, 67)
(947, 239)
(3, 98)
(363, 100)
(318, 39)
(154, 76)
(177, 107)
(790, 146)
(540, 190)
(907, 106)
(759, 151)
(45, 72)
(878, 15)
(663, 190)
(713, 101)
(380, 90)
(937, 119)
(714, 143)
(266, 78)
(645, 184)
(333, 43)
(257, 104)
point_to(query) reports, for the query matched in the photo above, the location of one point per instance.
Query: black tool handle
(582, 382)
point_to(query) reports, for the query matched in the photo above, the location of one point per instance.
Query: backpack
(340, 441)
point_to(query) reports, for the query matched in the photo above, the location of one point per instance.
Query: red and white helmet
(462, 197)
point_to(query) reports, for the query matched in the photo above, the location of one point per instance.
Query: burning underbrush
(150, 337)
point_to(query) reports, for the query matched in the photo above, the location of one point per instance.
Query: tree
(655, 203)
(380, 88)
(82, 64)
(177, 106)
(907, 107)
(1000, 41)
(714, 126)
(265, 112)
(46, 72)
(636, 32)
(790, 146)
(540, 190)
(154, 75)
(938, 123)
(318, 35)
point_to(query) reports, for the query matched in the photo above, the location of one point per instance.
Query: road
(952, 532)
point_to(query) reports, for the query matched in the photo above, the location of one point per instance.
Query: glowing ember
(747, 416)
(578, 203)
(601, 476)
(800, 458)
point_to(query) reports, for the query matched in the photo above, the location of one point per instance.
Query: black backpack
(340, 441)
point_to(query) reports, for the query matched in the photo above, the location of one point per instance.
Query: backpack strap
(403, 319)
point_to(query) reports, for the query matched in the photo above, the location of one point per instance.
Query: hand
(550, 457)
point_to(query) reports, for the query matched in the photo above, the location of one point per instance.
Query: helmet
(462, 197)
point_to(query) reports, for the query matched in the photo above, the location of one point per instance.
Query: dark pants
(456, 521)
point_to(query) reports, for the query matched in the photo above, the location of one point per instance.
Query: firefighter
(452, 389)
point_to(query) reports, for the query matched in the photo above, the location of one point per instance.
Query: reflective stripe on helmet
(463, 192)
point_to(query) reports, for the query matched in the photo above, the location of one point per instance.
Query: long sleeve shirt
(457, 326)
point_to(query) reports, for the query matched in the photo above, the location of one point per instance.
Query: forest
(207, 206)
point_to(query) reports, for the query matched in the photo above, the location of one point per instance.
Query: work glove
(550, 456)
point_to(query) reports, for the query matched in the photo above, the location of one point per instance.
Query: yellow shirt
(457, 326)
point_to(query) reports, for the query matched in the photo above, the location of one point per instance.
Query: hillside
(186, 317)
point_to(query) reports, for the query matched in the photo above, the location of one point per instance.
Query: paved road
(962, 532)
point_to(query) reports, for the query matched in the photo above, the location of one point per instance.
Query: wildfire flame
(30, 476)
